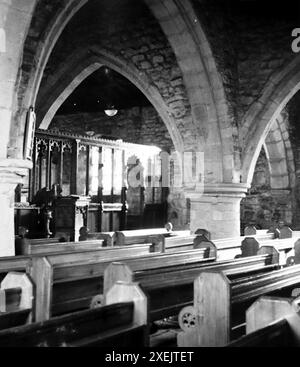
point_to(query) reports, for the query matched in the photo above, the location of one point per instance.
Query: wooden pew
(169, 290)
(22, 243)
(252, 230)
(14, 263)
(131, 237)
(271, 322)
(220, 303)
(60, 247)
(284, 247)
(122, 323)
(277, 334)
(107, 237)
(229, 248)
(42, 272)
(72, 286)
(182, 242)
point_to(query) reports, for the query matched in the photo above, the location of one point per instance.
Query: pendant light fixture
(110, 110)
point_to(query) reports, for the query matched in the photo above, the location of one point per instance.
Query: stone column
(217, 209)
(12, 172)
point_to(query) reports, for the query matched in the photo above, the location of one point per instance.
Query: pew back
(121, 323)
(216, 297)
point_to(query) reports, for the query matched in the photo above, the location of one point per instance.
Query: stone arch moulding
(280, 156)
(70, 75)
(181, 25)
(27, 86)
(281, 87)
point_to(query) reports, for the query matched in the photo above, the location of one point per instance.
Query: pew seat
(271, 322)
(121, 323)
(217, 297)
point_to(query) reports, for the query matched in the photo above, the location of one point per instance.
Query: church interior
(150, 173)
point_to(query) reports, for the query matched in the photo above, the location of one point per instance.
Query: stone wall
(248, 47)
(264, 206)
(139, 125)
(139, 43)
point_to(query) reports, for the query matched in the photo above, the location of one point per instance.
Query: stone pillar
(12, 172)
(217, 209)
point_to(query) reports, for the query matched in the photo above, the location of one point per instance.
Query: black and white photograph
(149, 176)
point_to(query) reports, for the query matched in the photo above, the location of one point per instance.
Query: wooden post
(48, 165)
(61, 164)
(42, 275)
(88, 162)
(74, 169)
(212, 312)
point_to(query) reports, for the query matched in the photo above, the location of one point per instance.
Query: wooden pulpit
(70, 214)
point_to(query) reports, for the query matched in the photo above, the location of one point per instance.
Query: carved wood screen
(100, 169)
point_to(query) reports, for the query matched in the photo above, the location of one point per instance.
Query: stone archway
(270, 198)
(84, 63)
(36, 53)
(281, 87)
(183, 30)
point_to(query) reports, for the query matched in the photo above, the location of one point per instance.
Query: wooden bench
(107, 237)
(22, 243)
(141, 235)
(284, 247)
(220, 304)
(59, 247)
(43, 269)
(271, 322)
(122, 323)
(252, 230)
(229, 248)
(72, 286)
(181, 242)
(170, 289)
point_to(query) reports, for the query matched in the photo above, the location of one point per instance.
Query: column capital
(215, 190)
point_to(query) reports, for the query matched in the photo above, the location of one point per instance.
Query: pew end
(268, 309)
(250, 230)
(205, 332)
(271, 322)
(276, 256)
(285, 232)
(203, 232)
(116, 271)
(202, 242)
(16, 299)
(128, 291)
(249, 247)
(297, 252)
(157, 241)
